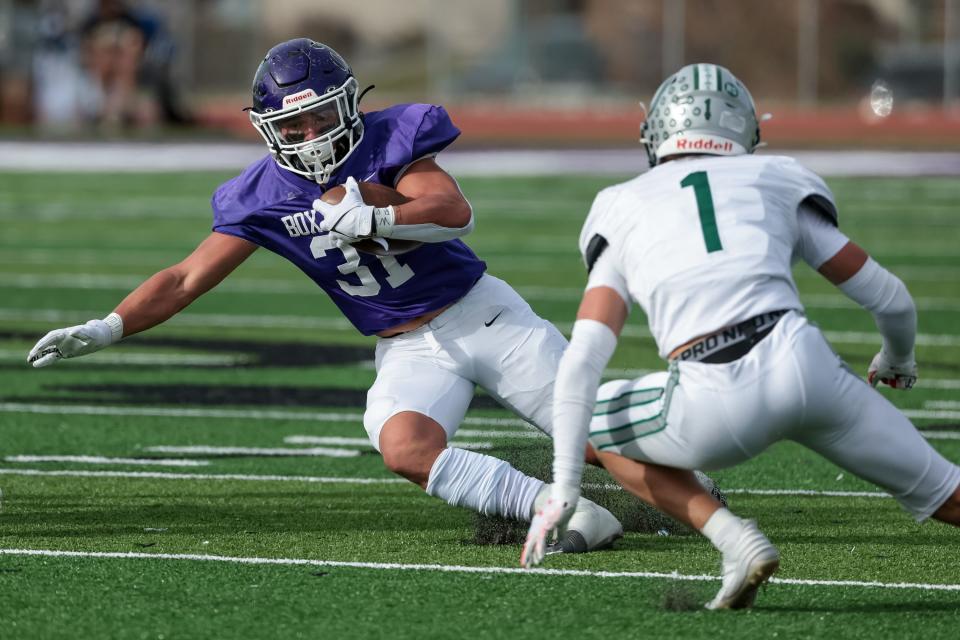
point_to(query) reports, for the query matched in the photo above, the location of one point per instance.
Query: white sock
(722, 529)
(482, 483)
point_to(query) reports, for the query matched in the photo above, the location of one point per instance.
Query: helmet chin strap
(363, 93)
(643, 120)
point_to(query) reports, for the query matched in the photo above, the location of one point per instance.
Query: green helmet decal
(702, 108)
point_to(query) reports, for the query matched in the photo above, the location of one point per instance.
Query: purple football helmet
(306, 106)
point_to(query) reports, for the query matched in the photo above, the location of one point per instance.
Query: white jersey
(705, 243)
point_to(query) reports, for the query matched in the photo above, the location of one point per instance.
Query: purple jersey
(272, 207)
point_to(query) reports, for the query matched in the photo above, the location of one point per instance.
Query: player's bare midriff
(415, 323)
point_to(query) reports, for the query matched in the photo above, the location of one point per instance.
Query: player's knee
(411, 460)
(410, 447)
(397, 462)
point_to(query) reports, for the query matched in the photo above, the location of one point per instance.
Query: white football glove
(351, 219)
(76, 341)
(898, 376)
(549, 524)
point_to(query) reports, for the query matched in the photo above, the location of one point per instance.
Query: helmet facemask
(313, 135)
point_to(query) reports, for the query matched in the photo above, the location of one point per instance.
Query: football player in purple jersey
(444, 325)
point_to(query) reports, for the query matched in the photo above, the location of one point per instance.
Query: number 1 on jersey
(708, 218)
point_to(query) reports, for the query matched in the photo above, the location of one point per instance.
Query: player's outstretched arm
(825, 248)
(865, 282)
(156, 300)
(600, 319)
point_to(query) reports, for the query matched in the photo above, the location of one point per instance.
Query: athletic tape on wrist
(383, 221)
(115, 322)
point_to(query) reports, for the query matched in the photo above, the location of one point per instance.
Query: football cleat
(591, 527)
(753, 560)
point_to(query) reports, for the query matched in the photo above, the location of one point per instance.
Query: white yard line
(298, 286)
(942, 383)
(255, 414)
(238, 414)
(931, 415)
(365, 442)
(160, 475)
(293, 452)
(294, 284)
(190, 319)
(84, 257)
(171, 359)
(334, 324)
(146, 259)
(810, 301)
(926, 273)
(941, 404)
(159, 462)
(528, 432)
(323, 452)
(833, 301)
(873, 338)
(772, 492)
(445, 568)
(808, 492)
(358, 442)
(941, 435)
(909, 273)
(465, 433)
(164, 412)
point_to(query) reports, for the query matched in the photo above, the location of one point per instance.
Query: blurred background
(523, 73)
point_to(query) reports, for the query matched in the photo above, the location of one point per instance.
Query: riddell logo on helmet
(306, 94)
(702, 144)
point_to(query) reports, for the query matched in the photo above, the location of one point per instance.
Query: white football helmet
(702, 108)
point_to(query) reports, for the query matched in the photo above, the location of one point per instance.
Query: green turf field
(265, 364)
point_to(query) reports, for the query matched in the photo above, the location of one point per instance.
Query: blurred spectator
(17, 37)
(113, 46)
(127, 49)
(157, 72)
(62, 95)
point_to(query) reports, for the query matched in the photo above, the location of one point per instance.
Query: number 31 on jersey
(369, 286)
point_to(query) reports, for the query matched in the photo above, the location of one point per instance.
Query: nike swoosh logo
(493, 319)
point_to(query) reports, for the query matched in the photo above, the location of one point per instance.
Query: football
(379, 196)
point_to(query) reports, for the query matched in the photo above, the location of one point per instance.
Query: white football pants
(790, 386)
(491, 338)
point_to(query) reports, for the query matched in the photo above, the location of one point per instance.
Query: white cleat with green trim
(753, 560)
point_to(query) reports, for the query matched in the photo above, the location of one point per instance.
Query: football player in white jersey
(704, 243)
